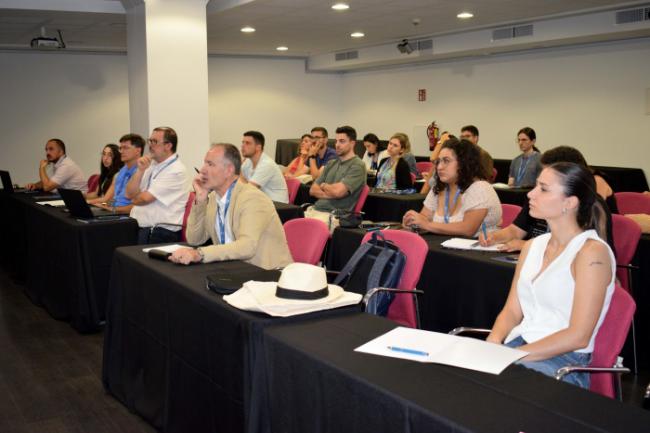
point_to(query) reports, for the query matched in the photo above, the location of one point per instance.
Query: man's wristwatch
(201, 256)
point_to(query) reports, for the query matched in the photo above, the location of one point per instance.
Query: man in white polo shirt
(65, 173)
(158, 190)
(260, 170)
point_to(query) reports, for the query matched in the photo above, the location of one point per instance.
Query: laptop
(76, 203)
(7, 184)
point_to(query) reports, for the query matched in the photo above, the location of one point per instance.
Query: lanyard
(447, 202)
(164, 166)
(222, 223)
(522, 170)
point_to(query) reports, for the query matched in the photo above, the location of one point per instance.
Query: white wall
(80, 98)
(273, 96)
(592, 98)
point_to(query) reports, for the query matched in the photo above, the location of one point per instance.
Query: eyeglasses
(443, 161)
(153, 141)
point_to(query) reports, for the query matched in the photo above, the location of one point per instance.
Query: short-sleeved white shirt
(268, 176)
(479, 195)
(167, 182)
(67, 174)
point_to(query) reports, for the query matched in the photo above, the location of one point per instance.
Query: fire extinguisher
(433, 133)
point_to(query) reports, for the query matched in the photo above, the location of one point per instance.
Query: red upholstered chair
(424, 166)
(626, 234)
(632, 202)
(509, 213)
(413, 177)
(306, 238)
(404, 308)
(293, 185)
(604, 369)
(186, 215)
(93, 182)
(362, 198)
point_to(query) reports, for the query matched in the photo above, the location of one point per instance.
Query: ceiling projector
(43, 42)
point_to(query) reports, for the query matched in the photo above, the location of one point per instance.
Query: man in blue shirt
(131, 148)
(320, 153)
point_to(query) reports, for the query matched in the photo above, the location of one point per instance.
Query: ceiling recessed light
(340, 6)
(282, 48)
(247, 29)
(357, 34)
(465, 15)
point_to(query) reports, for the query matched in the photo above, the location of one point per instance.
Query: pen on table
(409, 351)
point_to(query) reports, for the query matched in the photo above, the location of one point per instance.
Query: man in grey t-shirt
(260, 170)
(65, 173)
(340, 184)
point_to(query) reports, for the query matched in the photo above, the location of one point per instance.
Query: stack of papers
(434, 347)
(55, 203)
(468, 244)
(165, 248)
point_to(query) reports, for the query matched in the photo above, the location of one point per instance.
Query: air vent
(425, 44)
(348, 55)
(512, 32)
(633, 15)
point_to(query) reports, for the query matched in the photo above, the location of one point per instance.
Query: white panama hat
(302, 288)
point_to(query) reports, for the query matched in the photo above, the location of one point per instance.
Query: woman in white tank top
(564, 279)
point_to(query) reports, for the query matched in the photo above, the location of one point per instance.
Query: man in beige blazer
(240, 219)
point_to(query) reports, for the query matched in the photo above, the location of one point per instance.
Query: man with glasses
(158, 190)
(131, 149)
(320, 153)
(470, 132)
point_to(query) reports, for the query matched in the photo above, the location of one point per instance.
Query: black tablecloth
(320, 384)
(516, 196)
(641, 289)
(177, 354)
(288, 212)
(67, 261)
(382, 206)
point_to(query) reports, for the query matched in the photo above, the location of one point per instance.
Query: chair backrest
(626, 234)
(362, 198)
(306, 238)
(402, 310)
(632, 202)
(494, 175)
(293, 185)
(509, 213)
(424, 166)
(186, 215)
(93, 182)
(610, 339)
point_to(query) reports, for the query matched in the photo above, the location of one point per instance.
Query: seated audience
(393, 172)
(460, 201)
(525, 226)
(320, 153)
(373, 154)
(64, 172)
(470, 132)
(339, 187)
(525, 168)
(300, 164)
(408, 156)
(240, 220)
(564, 280)
(158, 190)
(260, 170)
(131, 149)
(108, 168)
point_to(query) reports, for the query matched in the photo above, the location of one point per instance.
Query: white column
(168, 71)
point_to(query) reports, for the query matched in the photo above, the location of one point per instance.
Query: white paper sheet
(500, 185)
(463, 352)
(468, 244)
(166, 248)
(55, 203)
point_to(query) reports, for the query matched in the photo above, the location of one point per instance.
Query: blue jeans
(550, 366)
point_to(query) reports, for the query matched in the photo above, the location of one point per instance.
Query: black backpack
(377, 263)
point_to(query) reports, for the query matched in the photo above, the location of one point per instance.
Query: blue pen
(409, 351)
(484, 229)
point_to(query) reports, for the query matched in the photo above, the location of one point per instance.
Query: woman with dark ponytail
(564, 280)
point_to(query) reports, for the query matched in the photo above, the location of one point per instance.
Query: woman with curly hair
(460, 200)
(111, 163)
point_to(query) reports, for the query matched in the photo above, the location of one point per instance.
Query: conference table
(177, 354)
(64, 262)
(321, 385)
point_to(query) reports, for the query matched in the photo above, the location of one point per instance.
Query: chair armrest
(627, 266)
(577, 368)
(372, 292)
(467, 329)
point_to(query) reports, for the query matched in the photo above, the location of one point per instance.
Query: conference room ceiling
(306, 27)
